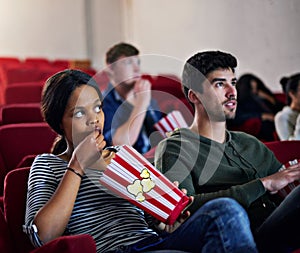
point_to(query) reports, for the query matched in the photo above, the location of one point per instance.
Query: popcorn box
(286, 190)
(135, 179)
(170, 122)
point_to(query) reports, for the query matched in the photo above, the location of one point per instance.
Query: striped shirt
(110, 220)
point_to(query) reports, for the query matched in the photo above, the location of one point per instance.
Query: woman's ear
(291, 94)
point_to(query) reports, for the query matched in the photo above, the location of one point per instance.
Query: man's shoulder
(241, 137)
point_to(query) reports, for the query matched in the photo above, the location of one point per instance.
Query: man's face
(219, 95)
(126, 70)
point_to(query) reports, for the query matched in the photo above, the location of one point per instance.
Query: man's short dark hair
(201, 64)
(118, 50)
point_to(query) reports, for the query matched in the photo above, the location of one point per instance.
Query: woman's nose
(93, 122)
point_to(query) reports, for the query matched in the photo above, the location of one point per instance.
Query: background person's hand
(140, 95)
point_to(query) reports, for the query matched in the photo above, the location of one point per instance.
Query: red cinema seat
(20, 113)
(14, 212)
(285, 150)
(61, 63)
(21, 140)
(37, 62)
(20, 75)
(30, 92)
(9, 61)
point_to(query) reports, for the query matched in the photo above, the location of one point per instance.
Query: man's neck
(215, 131)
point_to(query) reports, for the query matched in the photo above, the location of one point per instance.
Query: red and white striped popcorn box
(133, 177)
(286, 190)
(170, 122)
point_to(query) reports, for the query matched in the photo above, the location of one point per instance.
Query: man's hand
(279, 180)
(140, 95)
(181, 218)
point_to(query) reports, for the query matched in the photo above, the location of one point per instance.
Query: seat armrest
(69, 244)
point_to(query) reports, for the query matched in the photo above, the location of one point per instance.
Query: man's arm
(140, 98)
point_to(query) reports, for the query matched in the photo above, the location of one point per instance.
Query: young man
(211, 162)
(129, 110)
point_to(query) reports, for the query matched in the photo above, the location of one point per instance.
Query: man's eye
(233, 83)
(219, 84)
(78, 114)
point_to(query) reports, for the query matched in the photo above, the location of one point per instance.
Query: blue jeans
(221, 225)
(280, 231)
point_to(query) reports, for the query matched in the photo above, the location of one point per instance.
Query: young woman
(65, 196)
(287, 121)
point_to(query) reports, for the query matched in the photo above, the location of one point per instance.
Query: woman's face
(83, 115)
(254, 87)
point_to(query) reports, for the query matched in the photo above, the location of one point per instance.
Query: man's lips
(230, 103)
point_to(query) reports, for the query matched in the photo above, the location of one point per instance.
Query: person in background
(128, 107)
(65, 196)
(255, 100)
(287, 121)
(211, 162)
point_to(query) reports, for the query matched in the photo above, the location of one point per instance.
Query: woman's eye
(78, 114)
(98, 108)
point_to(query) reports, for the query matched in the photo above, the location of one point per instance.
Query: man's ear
(193, 97)
(108, 71)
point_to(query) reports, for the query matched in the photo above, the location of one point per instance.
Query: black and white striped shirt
(111, 221)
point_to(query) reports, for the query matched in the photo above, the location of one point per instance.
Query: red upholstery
(5, 240)
(281, 97)
(251, 126)
(14, 206)
(14, 210)
(23, 93)
(19, 140)
(20, 75)
(9, 60)
(69, 244)
(166, 90)
(37, 62)
(64, 64)
(20, 113)
(102, 79)
(285, 150)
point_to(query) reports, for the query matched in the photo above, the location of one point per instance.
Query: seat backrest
(20, 140)
(15, 194)
(20, 113)
(37, 62)
(285, 150)
(29, 92)
(166, 90)
(5, 239)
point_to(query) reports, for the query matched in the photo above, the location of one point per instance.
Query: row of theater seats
(33, 70)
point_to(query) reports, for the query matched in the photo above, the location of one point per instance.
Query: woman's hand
(88, 152)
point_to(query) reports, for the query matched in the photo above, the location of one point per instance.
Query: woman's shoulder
(48, 160)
